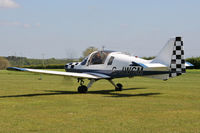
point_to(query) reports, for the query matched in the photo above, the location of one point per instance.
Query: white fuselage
(122, 65)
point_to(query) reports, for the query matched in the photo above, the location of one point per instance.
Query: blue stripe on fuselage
(118, 73)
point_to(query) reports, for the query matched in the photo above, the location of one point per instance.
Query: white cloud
(124, 25)
(19, 24)
(3, 23)
(37, 24)
(8, 4)
(26, 26)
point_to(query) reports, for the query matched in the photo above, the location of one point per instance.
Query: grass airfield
(52, 105)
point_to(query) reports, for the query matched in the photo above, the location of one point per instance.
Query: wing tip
(16, 69)
(188, 64)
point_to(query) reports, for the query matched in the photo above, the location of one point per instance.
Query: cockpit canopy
(96, 58)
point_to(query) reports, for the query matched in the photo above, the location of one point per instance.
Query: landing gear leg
(118, 86)
(91, 83)
(82, 88)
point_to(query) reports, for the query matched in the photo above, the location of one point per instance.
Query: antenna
(43, 60)
(21, 60)
(103, 47)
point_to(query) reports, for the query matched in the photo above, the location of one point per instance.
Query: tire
(82, 89)
(119, 87)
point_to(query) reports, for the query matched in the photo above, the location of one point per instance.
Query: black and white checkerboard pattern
(71, 65)
(178, 60)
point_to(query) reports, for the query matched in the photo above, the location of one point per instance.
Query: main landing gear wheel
(119, 87)
(82, 89)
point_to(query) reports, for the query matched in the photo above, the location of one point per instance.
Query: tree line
(53, 63)
(195, 61)
(23, 61)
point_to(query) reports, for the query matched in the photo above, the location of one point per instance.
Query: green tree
(89, 51)
(4, 63)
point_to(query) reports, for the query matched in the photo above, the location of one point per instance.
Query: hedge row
(195, 61)
(53, 66)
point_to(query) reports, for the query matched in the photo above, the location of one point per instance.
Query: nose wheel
(118, 87)
(82, 89)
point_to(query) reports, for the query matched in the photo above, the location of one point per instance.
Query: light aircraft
(169, 63)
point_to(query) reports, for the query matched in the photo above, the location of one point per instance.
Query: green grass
(52, 105)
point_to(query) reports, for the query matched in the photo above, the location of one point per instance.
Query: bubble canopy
(97, 57)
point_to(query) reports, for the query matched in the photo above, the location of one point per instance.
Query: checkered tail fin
(177, 66)
(172, 56)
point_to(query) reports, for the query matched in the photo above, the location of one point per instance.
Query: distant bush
(4, 63)
(60, 63)
(194, 60)
(23, 61)
(148, 58)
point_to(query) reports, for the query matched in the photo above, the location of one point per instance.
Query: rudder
(177, 66)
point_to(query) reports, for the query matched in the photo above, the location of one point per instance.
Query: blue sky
(64, 28)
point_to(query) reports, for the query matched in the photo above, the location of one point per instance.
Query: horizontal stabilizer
(159, 65)
(188, 64)
(152, 65)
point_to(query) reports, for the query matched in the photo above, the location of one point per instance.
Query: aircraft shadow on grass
(107, 93)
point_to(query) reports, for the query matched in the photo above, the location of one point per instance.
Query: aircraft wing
(70, 74)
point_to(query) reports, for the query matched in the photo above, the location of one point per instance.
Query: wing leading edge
(70, 74)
